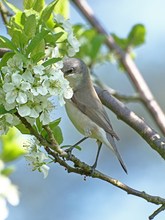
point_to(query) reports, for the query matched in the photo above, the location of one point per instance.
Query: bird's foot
(70, 148)
(69, 151)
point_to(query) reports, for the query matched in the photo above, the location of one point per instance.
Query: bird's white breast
(84, 124)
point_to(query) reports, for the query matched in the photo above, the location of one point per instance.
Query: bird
(86, 110)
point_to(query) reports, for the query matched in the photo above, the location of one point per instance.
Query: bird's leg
(69, 150)
(97, 155)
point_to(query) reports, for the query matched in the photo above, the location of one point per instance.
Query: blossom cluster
(74, 44)
(27, 87)
(35, 157)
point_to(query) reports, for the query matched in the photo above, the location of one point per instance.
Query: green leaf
(62, 7)
(19, 38)
(135, 38)
(39, 125)
(58, 134)
(15, 21)
(22, 129)
(38, 56)
(38, 5)
(11, 149)
(56, 131)
(137, 35)
(51, 61)
(39, 50)
(5, 58)
(55, 123)
(46, 13)
(6, 43)
(91, 44)
(30, 26)
(36, 40)
(121, 42)
(12, 7)
(96, 44)
(8, 171)
(28, 4)
(2, 110)
(52, 38)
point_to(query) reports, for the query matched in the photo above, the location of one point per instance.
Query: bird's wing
(93, 108)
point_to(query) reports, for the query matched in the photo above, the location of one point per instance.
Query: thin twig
(129, 117)
(41, 139)
(116, 94)
(3, 51)
(162, 208)
(132, 70)
(86, 170)
(82, 168)
(4, 13)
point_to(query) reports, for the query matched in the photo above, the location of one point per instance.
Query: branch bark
(129, 117)
(79, 167)
(132, 70)
(4, 13)
(3, 51)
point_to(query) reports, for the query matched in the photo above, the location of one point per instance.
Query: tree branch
(129, 117)
(82, 168)
(160, 209)
(3, 51)
(4, 13)
(119, 96)
(133, 72)
(62, 157)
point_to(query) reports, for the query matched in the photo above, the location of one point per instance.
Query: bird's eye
(69, 71)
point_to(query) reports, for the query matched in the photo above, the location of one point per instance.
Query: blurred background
(68, 196)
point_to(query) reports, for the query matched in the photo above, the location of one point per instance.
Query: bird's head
(75, 71)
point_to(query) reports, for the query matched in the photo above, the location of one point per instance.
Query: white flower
(36, 158)
(30, 109)
(71, 52)
(59, 18)
(27, 76)
(58, 65)
(7, 120)
(16, 90)
(73, 42)
(3, 207)
(52, 52)
(38, 69)
(8, 193)
(57, 85)
(8, 106)
(25, 110)
(45, 117)
(15, 62)
(39, 88)
(8, 190)
(45, 170)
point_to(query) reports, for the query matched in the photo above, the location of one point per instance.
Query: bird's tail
(115, 150)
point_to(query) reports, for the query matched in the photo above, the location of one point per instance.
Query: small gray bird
(85, 109)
